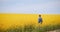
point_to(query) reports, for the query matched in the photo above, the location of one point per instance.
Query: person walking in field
(40, 19)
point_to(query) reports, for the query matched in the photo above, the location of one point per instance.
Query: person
(40, 19)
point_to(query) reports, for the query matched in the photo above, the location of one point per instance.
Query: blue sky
(30, 6)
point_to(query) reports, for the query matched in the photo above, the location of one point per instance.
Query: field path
(55, 31)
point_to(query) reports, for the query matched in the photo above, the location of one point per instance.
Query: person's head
(39, 15)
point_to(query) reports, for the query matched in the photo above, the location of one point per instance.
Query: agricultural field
(27, 20)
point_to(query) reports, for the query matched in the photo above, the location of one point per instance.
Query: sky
(30, 6)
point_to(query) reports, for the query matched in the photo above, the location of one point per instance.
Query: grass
(50, 27)
(31, 28)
